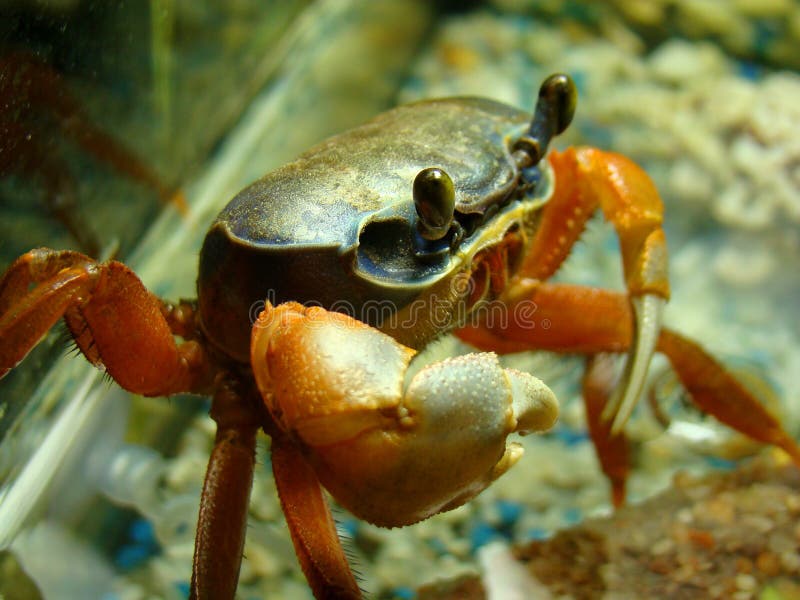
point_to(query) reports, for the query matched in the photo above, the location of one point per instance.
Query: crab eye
(435, 201)
(559, 92)
(554, 111)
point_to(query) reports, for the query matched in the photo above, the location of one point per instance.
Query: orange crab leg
(557, 317)
(222, 521)
(310, 523)
(611, 448)
(718, 393)
(582, 320)
(587, 179)
(113, 318)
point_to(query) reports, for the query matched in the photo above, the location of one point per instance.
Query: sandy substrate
(723, 535)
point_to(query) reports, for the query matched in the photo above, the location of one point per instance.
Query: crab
(320, 284)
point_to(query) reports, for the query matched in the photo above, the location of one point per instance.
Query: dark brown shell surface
(336, 226)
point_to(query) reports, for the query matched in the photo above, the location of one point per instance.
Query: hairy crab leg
(115, 321)
(583, 320)
(310, 523)
(588, 179)
(222, 521)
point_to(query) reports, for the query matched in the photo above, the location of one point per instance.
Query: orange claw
(391, 451)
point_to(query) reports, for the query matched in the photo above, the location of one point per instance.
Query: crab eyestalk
(554, 111)
(435, 202)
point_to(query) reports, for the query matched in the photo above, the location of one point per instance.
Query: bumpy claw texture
(391, 451)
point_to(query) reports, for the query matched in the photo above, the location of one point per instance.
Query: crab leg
(114, 320)
(310, 523)
(222, 521)
(587, 179)
(584, 320)
(611, 448)
(717, 392)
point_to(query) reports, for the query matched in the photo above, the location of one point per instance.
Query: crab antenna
(554, 111)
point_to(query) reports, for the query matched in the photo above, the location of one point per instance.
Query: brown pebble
(733, 546)
(702, 539)
(684, 516)
(736, 540)
(717, 590)
(758, 523)
(679, 533)
(768, 563)
(790, 561)
(746, 583)
(684, 573)
(744, 565)
(661, 565)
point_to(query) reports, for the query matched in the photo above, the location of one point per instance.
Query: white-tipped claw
(534, 404)
(648, 310)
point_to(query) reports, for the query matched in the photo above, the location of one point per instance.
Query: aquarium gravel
(721, 535)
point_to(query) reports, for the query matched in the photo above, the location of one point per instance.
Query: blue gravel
(141, 545)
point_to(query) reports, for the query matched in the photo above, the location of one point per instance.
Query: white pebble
(744, 266)
(678, 61)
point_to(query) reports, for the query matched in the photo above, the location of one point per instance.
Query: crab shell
(336, 227)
